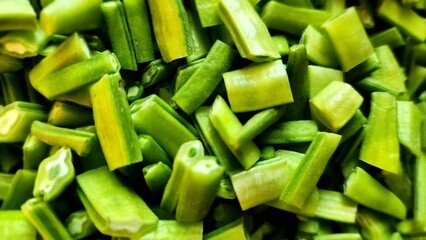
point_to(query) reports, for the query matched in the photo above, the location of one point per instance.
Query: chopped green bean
(266, 83)
(194, 93)
(54, 174)
(364, 189)
(119, 141)
(79, 141)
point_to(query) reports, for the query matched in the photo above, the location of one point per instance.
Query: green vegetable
(124, 215)
(63, 17)
(77, 75)
(152, 116)
(140, 29)
(54, 174)
(169, 20)
(13, 224)
(261, 183)
(335, 105)
(156, 176)
(117, 136)
(364, 189)
(80, 141)
(16, 119)
(20, 189)
(349, 39)
(380, 146)
(228, 126)
(79, 224)
(119, 34)
(17, 15)
(296, 19)
(194, 93)
(311, 166)
(255, 44)
(44, 219)
(267, 83)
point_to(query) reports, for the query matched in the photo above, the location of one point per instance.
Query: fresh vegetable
(212, 119)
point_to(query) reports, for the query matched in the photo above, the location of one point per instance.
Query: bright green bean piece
(290, 132)
(335, 105)
(44, 219)
(65, 114)
(266, 83)
(152, 116)
(198, 189)
(214, 141)
(79, 141)
(194, 93)
(208, 12)
(20, 190)
(156, 176)
(260, 121)
(188, 153)
(170, 21)
(281, 44)
(77, 75)
(419, 182)
(318, 48)
(349, 39)
(199, 37)
(409, 126)
(295, 20)
(308, 172)
(229, 126)
(390, 36)
(119, 34)
(14, 225)
(297, 69)
(389, 77)
(16, 119)
(118, 138)
(151, 151)
(407, 20)
(74, 49)
(17, 15)
(335, 206)
(261, 183)
(256, 44)
(79, 224)
(54, 175)
(140, 29)
(125, 215)
(63, 16)
(23, 43)
(364, 189)
(380, 146)
(319, 77)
